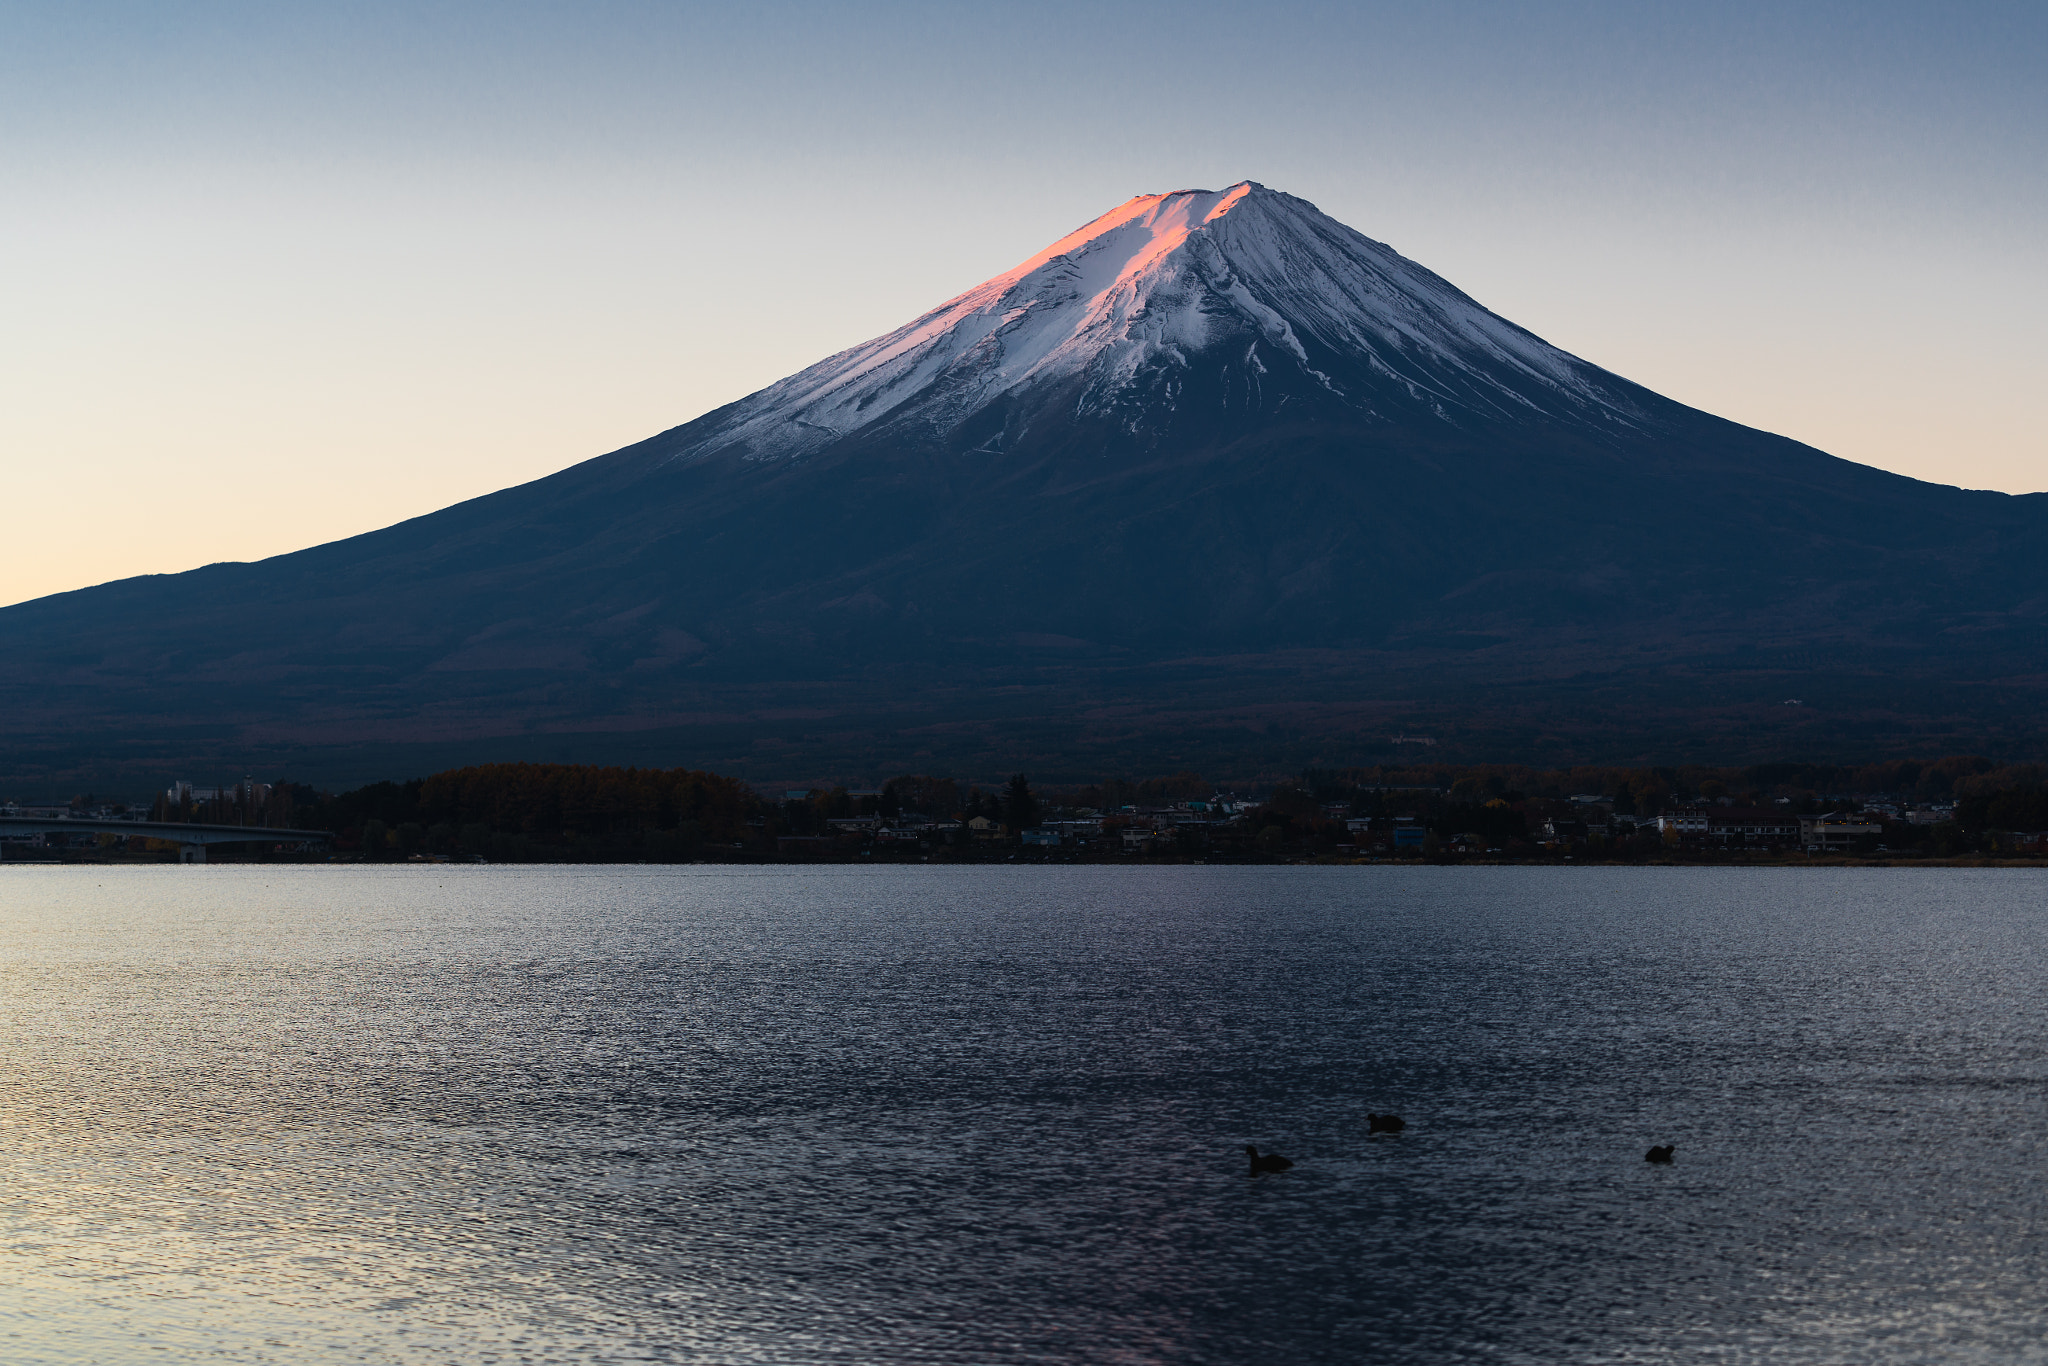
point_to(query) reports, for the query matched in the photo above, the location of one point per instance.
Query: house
(1740, 827)
(1408, 835)
(1041, 836)
(916, 829)
(1835, 830)
(854, 824)
(1731, 827)
(1681, 827)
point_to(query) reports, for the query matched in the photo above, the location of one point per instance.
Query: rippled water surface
(997, 1115)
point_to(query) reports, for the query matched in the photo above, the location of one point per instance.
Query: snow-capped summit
(1242, 299)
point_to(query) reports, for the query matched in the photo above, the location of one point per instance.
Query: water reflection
(999, 1115)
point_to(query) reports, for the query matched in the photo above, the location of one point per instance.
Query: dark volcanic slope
(1215, 479)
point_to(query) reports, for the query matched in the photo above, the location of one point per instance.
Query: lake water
(997, 1115)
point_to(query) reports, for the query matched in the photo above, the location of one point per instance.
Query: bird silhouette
(1658, 1154)
(1265, 1162)
(1384, 1124)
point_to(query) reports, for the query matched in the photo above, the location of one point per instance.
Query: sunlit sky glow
(274, 275)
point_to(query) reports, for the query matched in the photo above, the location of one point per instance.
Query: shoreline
(1003, 861)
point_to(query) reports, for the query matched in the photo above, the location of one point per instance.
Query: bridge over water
(190, 839)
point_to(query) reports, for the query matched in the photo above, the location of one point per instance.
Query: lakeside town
(1961, 808)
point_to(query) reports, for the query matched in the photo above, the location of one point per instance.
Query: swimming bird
(1658, 1154)
(1384, 1124)
(1265, 1162)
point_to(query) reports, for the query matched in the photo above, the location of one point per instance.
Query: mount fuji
(1213, 480)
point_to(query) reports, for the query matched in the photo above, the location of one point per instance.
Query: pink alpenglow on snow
(1152, 282)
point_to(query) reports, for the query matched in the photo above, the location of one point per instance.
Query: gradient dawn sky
(276, 274)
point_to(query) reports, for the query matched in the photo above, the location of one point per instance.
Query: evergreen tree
(1021, 808)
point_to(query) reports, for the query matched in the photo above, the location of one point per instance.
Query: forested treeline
(1650, 787)
(569, 812)
(573, 812)
(514, 812)
(2005, 808)
(540, 798)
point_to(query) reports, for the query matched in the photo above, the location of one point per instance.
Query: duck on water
(1265, 1162)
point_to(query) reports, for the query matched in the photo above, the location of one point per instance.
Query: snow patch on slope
(1151, 283)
